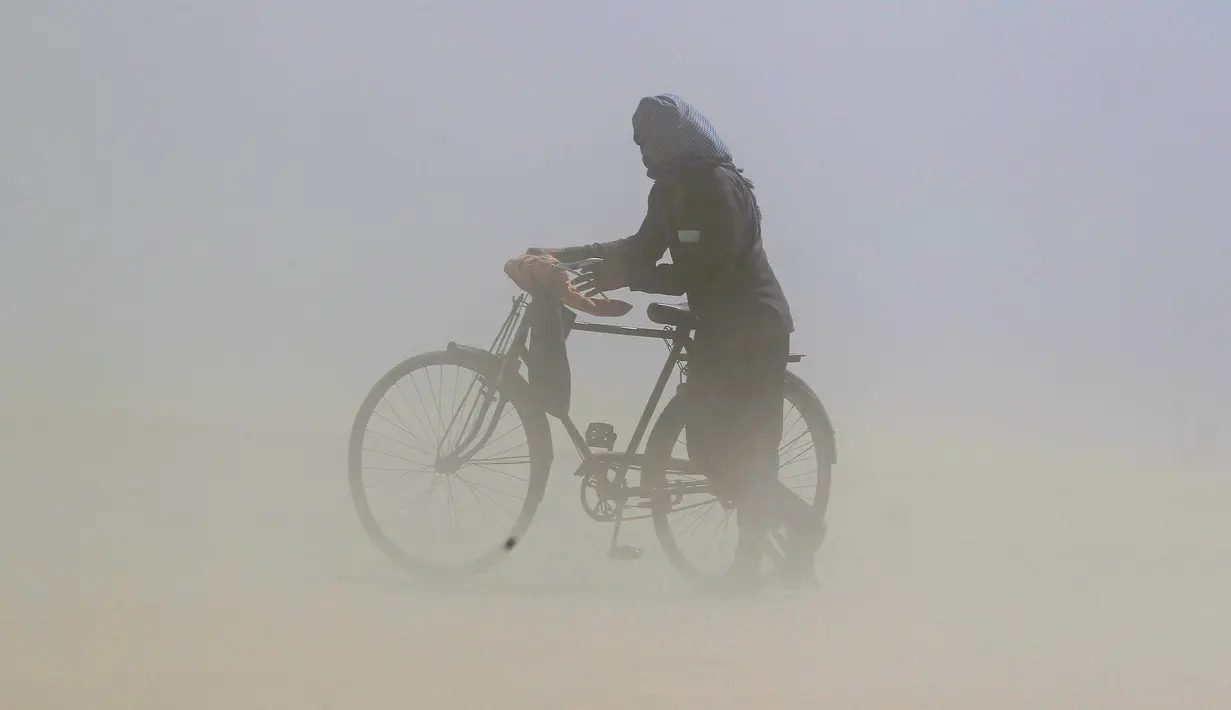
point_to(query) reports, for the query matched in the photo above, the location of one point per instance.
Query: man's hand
(606, 275)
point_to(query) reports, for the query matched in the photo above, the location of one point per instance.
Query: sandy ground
(193, 567)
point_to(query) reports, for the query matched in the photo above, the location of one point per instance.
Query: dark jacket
(708, 218)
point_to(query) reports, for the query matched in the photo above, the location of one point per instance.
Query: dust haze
(1003, 231)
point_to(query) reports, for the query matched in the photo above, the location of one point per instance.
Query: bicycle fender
(454, 346)
(799, 382)
(491, 363)
(517, 382)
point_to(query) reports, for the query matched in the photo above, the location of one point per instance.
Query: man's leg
(707, 437)
(769, 502)
(758, 432)
(718, 434)
(737, 379)
(739, 376)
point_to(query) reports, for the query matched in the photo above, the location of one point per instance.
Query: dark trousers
(735, 382)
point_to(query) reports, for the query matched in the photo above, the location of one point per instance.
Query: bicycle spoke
(395, 479)
(409, 407)
(401, 424)
(486, 492)
(392, 456)
(457, 409)
(813, 472)
(502, 473)
(408, 504)
(414, 383)
(474, 494)
(699, 515)
(398, 441)
(796, 457)
(504, 461)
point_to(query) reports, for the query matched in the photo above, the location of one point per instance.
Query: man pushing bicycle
(703, 209)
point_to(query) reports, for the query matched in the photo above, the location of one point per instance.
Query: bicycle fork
(628, 552)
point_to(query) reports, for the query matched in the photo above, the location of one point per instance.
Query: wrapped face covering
(541, 275)
(673, 135)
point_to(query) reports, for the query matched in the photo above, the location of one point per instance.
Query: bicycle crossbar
(656, 333)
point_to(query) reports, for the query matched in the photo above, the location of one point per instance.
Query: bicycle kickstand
(621, 553)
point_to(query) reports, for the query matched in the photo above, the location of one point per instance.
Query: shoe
(798, 570)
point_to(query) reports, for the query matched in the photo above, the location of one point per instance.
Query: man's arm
(639, 252)
(660, 278)
(647, 246)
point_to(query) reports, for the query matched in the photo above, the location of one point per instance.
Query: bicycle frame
(515, 348)
(510, 348)
(512, 353)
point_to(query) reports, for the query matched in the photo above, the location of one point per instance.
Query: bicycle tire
(665, 433)
(538, 434)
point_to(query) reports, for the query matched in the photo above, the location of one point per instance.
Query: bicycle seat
(677, 315)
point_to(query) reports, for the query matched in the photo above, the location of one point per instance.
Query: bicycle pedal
(624, 553)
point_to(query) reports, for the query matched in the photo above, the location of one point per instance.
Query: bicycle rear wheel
(469, 442)
(682, 504)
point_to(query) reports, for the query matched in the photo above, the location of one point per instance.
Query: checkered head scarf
(673, 136)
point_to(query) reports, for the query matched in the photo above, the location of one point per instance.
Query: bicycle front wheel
(448, 463)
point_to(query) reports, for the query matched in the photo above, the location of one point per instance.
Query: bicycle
(494, 377)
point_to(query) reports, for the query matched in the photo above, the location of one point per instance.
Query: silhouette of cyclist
(703, 209)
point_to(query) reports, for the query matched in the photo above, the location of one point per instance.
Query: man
(703, 209)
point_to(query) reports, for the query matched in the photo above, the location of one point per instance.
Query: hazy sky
(1011, 215)
(1004, 229)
